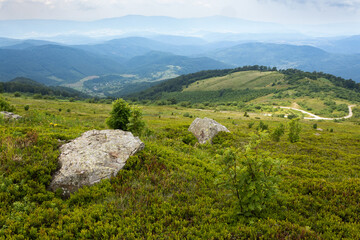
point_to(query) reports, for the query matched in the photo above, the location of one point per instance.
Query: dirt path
(315, 117)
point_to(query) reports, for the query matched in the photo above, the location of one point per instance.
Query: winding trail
(315, 117)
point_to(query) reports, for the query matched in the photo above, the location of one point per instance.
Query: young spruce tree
(125, 117)
(251, 175)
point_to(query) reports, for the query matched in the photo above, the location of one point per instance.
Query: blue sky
(279, 11)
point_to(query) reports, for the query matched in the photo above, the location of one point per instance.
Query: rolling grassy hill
(237, 81)
(254, 89)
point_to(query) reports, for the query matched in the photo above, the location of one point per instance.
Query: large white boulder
(10, 115)
(205, 129)
(94, 156)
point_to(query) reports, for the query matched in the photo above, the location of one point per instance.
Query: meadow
(170, 189)
(238, 80)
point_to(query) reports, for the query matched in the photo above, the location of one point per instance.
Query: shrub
(17, 94)
(189, 139)
(262, 126)
(37, 96)
(250, 124)
(278, 132)
(292, 116)
(252, 176)
(185, 104)
(119, 115)
(224, 139)
(136, 125)
(187, 115)
(315, 126)
(5, 106)
(123, 117)
(294, 130)
(26, 107)
(172, 101)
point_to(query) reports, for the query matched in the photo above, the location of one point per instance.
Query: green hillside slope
(236, 81)
(173, 188)
(253, 78)
(256, 88)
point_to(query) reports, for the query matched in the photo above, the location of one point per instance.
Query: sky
(278, 11)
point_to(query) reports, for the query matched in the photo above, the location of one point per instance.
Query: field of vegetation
(173, 188)
(238, 80)
(259, 89)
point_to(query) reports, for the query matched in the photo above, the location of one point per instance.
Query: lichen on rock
(95, 155)
(205, 129)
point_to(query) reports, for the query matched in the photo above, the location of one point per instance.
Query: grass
(237, 81)
(168, 191)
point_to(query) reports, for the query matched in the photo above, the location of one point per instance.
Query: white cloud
(319, 3)
(283, 11)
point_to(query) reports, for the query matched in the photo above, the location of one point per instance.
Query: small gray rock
(10, 115)
(94, 156)
(205, 129)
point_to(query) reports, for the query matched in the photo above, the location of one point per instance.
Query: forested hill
(227, 84)
(26, 85)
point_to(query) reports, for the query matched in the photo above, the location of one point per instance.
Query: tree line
(27, 85)
(294, 75)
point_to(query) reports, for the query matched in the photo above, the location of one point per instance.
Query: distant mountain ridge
(63, 65)
(53, 64)
(138, 59)
(285, 56)
(135, 23)
(347, 45)
(152, 25)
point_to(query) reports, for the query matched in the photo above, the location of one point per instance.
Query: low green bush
(5, 105)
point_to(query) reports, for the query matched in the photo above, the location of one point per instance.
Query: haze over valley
(104, 57)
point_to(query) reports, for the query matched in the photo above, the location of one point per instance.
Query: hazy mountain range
(110, 54)
(136, 25)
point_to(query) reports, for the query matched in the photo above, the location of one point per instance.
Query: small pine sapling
(252, 176)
